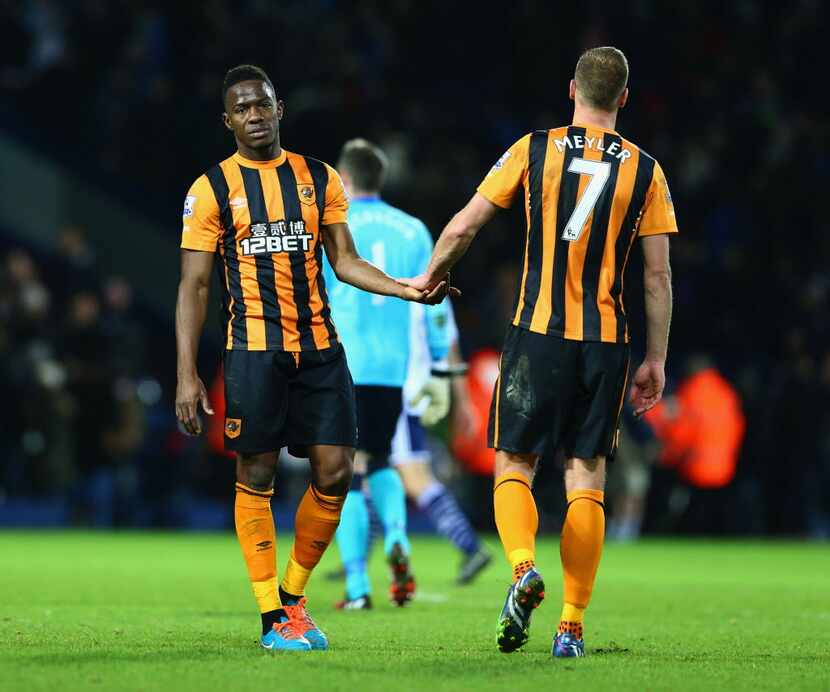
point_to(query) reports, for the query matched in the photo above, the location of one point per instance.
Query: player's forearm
(367, 277)
(658, 304)
(456, 237)
(191, 309)
(459, 384)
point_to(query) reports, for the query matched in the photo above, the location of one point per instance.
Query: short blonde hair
(601, 76)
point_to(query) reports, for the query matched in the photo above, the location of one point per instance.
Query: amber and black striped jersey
(589, 194)
(263, 218)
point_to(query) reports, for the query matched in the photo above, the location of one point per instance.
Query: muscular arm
(457, 237)
(191, 308)
(352, 269)
(658, 295)
(650, 378)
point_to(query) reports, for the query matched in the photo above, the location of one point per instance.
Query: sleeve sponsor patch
(189, 202)
(498, 164)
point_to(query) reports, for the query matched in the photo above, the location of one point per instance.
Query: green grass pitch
(101, 611)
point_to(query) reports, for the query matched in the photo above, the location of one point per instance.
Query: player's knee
(510, 462)
(585, 473)
(416, 478)
(256, 471)
(334, 477)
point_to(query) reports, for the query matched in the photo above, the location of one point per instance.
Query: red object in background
(216, 422)
(701, 428)
(471, 450)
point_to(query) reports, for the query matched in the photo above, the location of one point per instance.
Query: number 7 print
(599, 172)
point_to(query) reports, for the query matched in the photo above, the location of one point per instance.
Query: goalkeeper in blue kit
(375, 332)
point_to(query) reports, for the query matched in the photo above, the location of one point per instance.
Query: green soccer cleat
(522, 598)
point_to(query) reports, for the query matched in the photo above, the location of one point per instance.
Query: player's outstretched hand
(647, 386)
(431, 293)
(190, 393)
(420, 282)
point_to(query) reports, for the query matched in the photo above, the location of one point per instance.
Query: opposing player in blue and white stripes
(410, 452)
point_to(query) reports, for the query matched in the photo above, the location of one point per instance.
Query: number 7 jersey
(589, 194)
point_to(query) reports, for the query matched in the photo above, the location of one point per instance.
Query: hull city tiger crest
(306, 193)
(233, 427)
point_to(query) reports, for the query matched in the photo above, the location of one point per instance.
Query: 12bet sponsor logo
(276, 236)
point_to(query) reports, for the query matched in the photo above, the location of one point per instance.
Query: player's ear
(280, 109)
(623, 98)
(226, 119)
(572, 90)
(347, 180)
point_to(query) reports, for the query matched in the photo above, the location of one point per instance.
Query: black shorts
(557, 393)
(276, 399)
(378, 410)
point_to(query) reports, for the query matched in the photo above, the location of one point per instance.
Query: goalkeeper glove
(436, 391)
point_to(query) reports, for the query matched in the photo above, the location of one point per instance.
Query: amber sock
(317, 518)
(580, 549)
(258, 541)
(571, 620)
(516, 520)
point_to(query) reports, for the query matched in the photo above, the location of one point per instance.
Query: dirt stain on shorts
(519, 391)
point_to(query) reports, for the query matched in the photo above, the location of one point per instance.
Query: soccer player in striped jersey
(266, 215)
(589, 195)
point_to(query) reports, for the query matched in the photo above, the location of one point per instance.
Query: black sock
(288, 598)
(271, 617)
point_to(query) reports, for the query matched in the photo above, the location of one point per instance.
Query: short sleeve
(658, 212)
(201, 228)
(337, 204)
(507, 174)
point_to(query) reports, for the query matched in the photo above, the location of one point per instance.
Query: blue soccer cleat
(305, 625)
(566, 645)
(285, 636)
(514, 622)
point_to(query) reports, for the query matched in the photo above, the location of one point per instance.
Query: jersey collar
(248, 163)
(587, 126)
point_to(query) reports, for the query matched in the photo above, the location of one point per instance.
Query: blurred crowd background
(124, 95)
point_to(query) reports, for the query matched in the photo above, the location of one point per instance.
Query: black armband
(449, 370)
